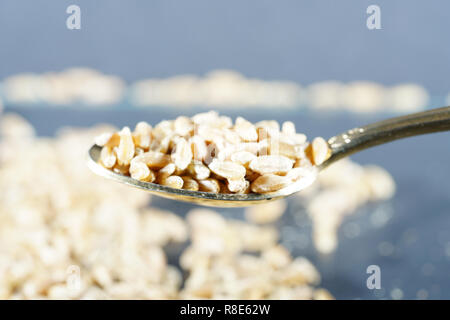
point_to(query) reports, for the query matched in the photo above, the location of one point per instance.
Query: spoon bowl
(341, 146)
(198, 197)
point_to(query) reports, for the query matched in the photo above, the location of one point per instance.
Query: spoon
(341, 146)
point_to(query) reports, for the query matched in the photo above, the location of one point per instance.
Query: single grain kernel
(209, 185)
(320, 150)
(227, 169)
(218, 150)
(271, 126)
(182, 156)
(140, 171)
(264, 146)
(246, 130)
(231, 136)
(198, 170)
(205, 117)
(275, 164)
(153, 159)
(175, 182)
(252, 147)
(269, 183)
(213, 151)
(242, 157)
(288, 128)
(238, 186)
(125, 150)
(108, 139)
(190, 183)
(295, 139)
(225, 151)
(143, 134)
(166, 171)
(183, 126)
(296, 173)
(224, 122)
(163, 129)
(108, 157)
(290, 151)
(273, 145)
(209, 134)
(198, 147)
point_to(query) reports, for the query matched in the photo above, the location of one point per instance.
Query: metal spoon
(341, 146)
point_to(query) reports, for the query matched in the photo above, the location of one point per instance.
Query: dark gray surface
(417, 218)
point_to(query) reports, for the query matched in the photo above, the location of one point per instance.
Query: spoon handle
(358, 139)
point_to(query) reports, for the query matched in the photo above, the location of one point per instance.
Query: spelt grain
(227, 169)
(238, 186)
(246, 130)
(143, 135)
(190, 183)
(182, 156)
(140, 171)
(183, 126)
(173, 182)
(269, 183)
(108, 157)
(297, 173)
(110, 139)
(166, 171)
(209, 185)
(320, 150)
(198, 170)
(125, 150)
(198, 147)
(288, 128)
(208, 148)
(153, 159)
(242, 157)
(163, 129)
(271, 164)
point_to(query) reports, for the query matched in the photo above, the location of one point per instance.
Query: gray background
(304, 41)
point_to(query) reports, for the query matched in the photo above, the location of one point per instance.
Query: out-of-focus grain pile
(224, 89)
(65, 233)
(74, 85)
(220, 88)
(338, 192)
(230, 89)
(234, 259)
